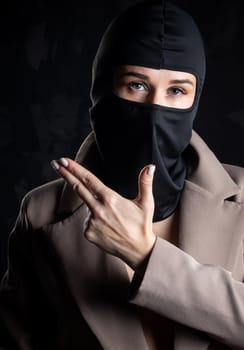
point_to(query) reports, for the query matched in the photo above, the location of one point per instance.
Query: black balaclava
(130, 135)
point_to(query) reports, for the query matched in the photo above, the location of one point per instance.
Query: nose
(156, 97)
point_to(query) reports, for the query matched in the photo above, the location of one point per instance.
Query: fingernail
(150, 170)
(54, 165)
(63, 162)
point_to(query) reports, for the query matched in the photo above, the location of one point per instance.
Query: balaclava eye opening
(130, 135)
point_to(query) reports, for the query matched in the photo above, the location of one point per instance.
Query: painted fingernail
(54, 165)
(63, 162)
(150, 170)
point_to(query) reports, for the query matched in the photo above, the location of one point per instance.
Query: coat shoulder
(40, 203)
(237, 174)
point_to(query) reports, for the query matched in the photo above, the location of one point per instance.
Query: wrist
(142, 264)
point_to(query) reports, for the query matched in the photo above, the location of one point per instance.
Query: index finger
(86, 177)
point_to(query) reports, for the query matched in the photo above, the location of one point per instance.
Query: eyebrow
(145, 77)
(181, 81)
(135, 74)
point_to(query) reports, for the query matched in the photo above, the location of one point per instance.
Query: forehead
(151, 73)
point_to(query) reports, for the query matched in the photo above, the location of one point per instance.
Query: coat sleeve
(203, 297)
(21, 306)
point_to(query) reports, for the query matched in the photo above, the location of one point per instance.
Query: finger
(88, 179)
(78, 186)
(86, 220)
(145, 182)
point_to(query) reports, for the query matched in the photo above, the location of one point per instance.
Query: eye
(136, 85)
(176, 91)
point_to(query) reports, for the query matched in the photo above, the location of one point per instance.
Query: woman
(105, 259)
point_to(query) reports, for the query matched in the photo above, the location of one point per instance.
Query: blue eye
(136, 85)
(176, 91)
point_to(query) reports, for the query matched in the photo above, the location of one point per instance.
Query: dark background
(47, 49)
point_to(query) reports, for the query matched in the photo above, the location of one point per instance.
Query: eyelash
(182, 91)
(132, 85)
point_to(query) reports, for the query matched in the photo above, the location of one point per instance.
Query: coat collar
(206, 173)
(69, 200)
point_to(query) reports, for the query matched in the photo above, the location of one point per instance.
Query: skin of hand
(119, 226)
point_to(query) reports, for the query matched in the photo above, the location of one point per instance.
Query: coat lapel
(211, 226)
(98, 282)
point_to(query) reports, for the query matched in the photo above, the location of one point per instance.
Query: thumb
(145, 181)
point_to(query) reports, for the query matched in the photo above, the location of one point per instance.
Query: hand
(120, 226)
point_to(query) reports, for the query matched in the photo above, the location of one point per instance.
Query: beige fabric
(199, 284)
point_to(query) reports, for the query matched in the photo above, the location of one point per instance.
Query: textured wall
(46, 53)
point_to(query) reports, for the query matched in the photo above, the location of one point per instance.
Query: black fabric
(130, 135)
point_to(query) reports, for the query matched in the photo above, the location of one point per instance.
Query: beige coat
(62, 292)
